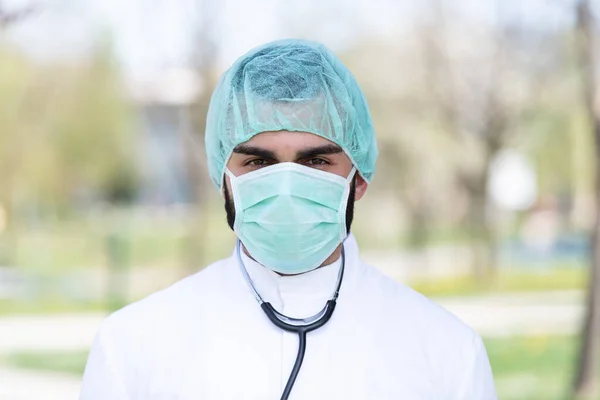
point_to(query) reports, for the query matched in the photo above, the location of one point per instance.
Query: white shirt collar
(318, 282)
(306, 293)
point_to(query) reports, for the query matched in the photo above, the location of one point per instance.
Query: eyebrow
(301, 155)
(254, 151)
(318, 151)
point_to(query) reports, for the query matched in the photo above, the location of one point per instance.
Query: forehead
(287, 140)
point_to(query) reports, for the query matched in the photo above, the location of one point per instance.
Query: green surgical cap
(292, 85)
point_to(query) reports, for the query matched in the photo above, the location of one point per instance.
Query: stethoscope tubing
(298, 326)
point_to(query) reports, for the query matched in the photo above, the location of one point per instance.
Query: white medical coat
(206, 338)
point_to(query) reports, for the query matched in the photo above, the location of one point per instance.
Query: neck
(330, 260)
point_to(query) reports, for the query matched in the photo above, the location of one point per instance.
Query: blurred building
(163, 104)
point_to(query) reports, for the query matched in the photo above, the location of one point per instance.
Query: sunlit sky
(153, 35)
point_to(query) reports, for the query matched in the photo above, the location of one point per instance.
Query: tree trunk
(8, 228)
(419, 228)
(586, 384)
(8, 244)
(482, 238)
(586, 380)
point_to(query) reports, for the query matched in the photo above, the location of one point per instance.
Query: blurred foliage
(427, 97)
(67, 140)
(66, 134)
(154, 239)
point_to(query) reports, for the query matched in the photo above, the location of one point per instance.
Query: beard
(230, 208)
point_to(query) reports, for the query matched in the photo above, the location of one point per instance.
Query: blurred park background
(484, 199)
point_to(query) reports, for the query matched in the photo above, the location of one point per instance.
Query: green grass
(72, 363)
(49, 306)
(525, 368)
(532, 368)
(566, 278)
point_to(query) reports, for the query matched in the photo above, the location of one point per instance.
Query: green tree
(66, 133)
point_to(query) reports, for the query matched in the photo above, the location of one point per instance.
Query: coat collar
(318, 284)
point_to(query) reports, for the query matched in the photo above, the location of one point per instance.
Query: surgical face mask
(290, 217)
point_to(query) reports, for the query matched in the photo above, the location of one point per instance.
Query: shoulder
(412, 309)
(157, 330)
(170, 305)
(447, 347)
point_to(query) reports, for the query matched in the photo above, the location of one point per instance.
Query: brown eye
(257, 162)
(316, 162)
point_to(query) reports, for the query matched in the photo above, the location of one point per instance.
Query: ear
(226, 187)
(360, 187)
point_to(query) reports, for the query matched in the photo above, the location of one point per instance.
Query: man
(291, 146)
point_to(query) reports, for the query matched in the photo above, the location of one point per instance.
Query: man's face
(304, 148)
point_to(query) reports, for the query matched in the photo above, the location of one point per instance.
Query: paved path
(553, 313)
(44, 333)
(48, 332)
(25, 385)
(523, 314)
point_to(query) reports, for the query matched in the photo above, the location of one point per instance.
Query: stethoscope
(301, 326)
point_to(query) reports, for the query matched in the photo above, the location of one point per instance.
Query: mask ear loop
(351, 175)
(344, 205)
